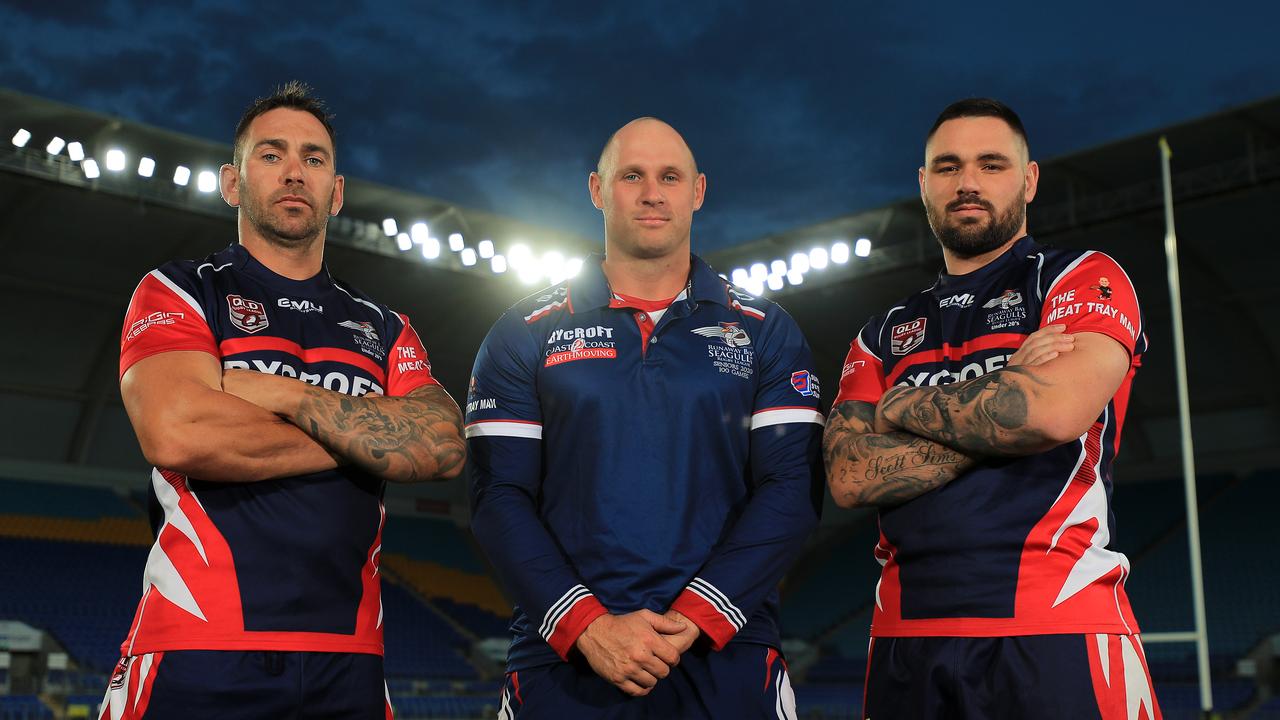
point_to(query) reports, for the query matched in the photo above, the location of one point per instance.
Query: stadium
(91, 203)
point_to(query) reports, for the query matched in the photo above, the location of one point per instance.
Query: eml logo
(963, 300)
(805, 383)
(304, 306)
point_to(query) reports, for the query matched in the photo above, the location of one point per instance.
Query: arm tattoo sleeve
(406, 439)
(983, 416)
(869, 468)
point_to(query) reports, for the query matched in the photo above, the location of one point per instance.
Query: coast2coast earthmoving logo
(591, 343)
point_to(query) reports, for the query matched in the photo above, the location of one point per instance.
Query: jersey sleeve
(504, 441)
(1094, 294)
(862, 375)
(407, 365)
(163, 316)
(786, 494)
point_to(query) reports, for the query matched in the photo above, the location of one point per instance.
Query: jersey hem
(337, 646)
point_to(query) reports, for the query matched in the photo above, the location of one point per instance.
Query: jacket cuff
(711, 611)
(568, 617)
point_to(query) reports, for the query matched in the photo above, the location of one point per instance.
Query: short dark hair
(294, 95)
(980, 107)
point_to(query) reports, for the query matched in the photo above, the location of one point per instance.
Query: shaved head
(609, 154)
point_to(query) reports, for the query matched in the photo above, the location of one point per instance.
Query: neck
(957, 265)
(295, 263)
(647, 278)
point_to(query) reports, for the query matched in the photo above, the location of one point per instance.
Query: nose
(291, 171)
(968, 181)
(651, 194)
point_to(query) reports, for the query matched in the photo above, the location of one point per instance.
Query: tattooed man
(981, 417)
(275, 403)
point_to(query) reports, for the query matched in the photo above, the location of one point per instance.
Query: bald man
(646, 465)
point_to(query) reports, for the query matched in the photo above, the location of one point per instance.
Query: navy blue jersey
(284, 564)
(1015, 546)
(620, 464)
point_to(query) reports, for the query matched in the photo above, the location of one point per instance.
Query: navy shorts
(200, 684)
(1046, 677)
(741, 682)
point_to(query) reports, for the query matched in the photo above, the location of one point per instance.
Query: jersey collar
(313, 286)
(590, 289)
(1023, 248)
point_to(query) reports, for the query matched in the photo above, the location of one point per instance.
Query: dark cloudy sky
(798, 112)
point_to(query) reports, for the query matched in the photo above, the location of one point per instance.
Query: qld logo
(805, 383)
(247, 315)
(906, 337)
(729, 332)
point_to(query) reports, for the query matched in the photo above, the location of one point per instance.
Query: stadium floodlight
(486, 249)
(739, 277)
(795, 277)
(573, 267)
(146, 167)
(519, 256)
(389, 227)
(553, 266)
(431, 248)
(419, 232)
(862, 248)
(455, 242)
(800, 263)
(755, 287)
(55, 145)
(775, 282)
(818, 258)
(115, 160)
(778, 267)
(22, 137)
(498, 263)
(181, 175)
(468, 256)
(404, 242)
(75, 151)
(90, 167)
(206, 181)
(840, 252)
(529, 273)
(758, 272)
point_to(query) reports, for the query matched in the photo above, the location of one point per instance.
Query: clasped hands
(636, 650)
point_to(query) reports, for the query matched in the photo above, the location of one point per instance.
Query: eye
(315, 161)
(631, 177)
(991, 167)
(670, 177)
(270, 157)
(946, 169)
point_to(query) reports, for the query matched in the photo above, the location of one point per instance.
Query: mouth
(293, 201)
(968, 209)
(652, 220)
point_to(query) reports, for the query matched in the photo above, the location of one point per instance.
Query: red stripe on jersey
(1120, 678)
(236, 346)
(576, 620)
(769, 657)
(706, 616)
(159, 320)
(407, 365)
(995, 341)
(861, 377)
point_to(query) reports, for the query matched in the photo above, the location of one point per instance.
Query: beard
(970, 237)
(280, 226)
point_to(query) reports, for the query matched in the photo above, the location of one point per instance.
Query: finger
(642, 678)
(662, 624)
(665, 651)
(632, 689)
(657, 667)
(1050, 330)
(1041, 359)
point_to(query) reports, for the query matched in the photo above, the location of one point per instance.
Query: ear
(699, 190)
(594, 187)
(339, 184)
(229, 184)
(1033, 181)
(920, 179)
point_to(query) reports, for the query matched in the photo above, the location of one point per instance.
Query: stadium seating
(24, 707)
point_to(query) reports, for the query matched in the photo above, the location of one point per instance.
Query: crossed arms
(245, 426)
(917, 439)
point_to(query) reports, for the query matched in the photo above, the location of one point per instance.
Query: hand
(1043, 345)
(684, 639)
(881, 423)
(269, 392)
(628, 651)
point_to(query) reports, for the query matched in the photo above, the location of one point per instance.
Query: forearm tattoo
(983, 416)
(885, 469)
(410, 438)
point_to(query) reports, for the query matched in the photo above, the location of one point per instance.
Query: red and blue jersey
(1015, 546)
(618, 463)
(283, 564)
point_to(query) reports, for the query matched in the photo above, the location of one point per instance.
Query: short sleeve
(1094, 294)
(407, 365)
(163, 317)
(862, 376)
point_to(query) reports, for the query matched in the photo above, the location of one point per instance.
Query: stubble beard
(970, 237)
(286, 234)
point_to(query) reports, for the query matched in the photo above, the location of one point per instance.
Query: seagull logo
(730, 332)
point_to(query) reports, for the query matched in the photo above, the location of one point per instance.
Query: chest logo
(248, 315)
(906, 337)
(366, 338)
(1005, 301)
(730, 332)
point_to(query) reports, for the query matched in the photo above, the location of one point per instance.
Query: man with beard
(981, 417)
(645, 447)
(275, 403)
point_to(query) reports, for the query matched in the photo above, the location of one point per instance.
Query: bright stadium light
(75, 151)
(498, 263)
(431, 248)
(115, 160)
(146, 167)
(22, 137)
(795, 277)
(840, 252)
(754, 286)
(55, 145)
(404, 242)
(775, 282)
(862, 248)
(486, 249)
(529, 273)
(818, 258)
(419, 232)
(519, 256)
(739, 277)
(90, 167)
(468, 257)
(800, 263)
(759, 272)
(778, 267)
(389, 227)
(206, 181)
(181, 175)
(553, 266)
(573, 267)
(455, 242)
